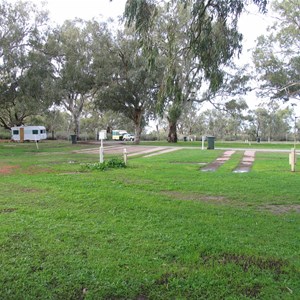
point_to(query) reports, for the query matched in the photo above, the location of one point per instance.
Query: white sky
(61, 10)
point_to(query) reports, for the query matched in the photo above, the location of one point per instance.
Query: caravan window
(35, 132)
(16, 132)
(42, 131)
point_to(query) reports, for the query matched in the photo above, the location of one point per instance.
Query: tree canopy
(132, 88)
(277, 54)
(24, 69)
(202, 35)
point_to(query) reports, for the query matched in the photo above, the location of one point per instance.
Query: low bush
(109, 164)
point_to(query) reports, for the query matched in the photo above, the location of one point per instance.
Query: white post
(293, 159)
(125, 156)
(102, 136)
(101, 152)
(203, 139)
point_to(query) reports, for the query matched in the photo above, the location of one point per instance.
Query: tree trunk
(76, 124)
(172, 136)
(138, 115)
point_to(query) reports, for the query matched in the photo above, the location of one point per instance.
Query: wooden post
(125, 156)
(293, 159)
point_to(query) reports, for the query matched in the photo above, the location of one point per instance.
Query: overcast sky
(61, 10)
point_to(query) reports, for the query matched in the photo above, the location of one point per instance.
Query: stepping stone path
(244, 166)
(246, 163)
(215, 165)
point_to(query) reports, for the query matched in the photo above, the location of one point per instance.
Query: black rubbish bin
(185, 138)
(74, 138)
(210, 142)
(258, 139)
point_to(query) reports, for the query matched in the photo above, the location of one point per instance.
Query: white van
(28, 133)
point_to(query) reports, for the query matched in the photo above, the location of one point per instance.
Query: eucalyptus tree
(269, 122)
(132, 87)
(277, 54)
(80, 54)
(25, 71)
(180, 79)
(211, 40)
(216, 123)
(235, 111)
(107, 120)
(191, 122)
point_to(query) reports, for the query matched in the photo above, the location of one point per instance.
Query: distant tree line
(169, 59)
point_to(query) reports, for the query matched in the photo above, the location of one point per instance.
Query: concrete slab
(246, 162)
(212, 167)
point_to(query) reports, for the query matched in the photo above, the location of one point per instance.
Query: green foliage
(132, 89)
(80, 49)
(25, 70)
(113, 163)
(276, 56)
(196, 40)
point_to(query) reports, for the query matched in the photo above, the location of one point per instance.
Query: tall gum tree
(212, 41)
(132, 87)
(181, 76)
(25, 71)
(79, 53)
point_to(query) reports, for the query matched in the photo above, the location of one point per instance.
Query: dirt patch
(252, 291)
(36, 170)
(7, 169)
(277, 266)
(7, 210)
(30, 190)
(71, 173)
(280, 208)
(196, 197)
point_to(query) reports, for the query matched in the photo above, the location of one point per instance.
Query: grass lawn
(158, 229)
(224, 144)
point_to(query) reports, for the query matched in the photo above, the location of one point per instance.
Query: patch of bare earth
(7, 210)
(196, 197)
(7, 169)
(36, 170)
(30, 190)
(281, 209)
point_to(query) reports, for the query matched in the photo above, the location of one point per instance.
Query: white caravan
(28, 133)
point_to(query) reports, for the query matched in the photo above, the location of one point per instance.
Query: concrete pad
(212, 167)
(246, 162)
(162, 152)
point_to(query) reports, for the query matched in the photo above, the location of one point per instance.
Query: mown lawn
(158, 229)
(224, 144)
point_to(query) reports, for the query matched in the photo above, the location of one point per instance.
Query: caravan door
(21, 135)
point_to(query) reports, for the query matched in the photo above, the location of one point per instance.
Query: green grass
(223, 144)
(158, 229)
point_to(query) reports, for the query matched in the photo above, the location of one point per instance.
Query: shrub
(110, 164)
